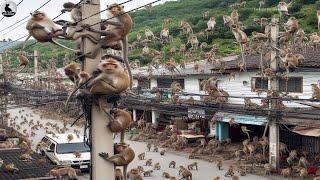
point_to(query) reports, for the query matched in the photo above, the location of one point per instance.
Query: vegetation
(191, 11)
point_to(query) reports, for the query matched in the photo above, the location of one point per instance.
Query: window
(258, 83)
(165, 83)
(52, 146)
(200, 85)
(44, 139)
(293, 84)
(66, 148)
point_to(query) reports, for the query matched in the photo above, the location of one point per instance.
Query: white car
(61, 151)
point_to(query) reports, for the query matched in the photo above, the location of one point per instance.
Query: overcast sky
(53, 8)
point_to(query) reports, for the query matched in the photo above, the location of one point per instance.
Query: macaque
(145, 50)
(156, 166)
(162, 152)
(261, 4)
(241, 38)
(203, 45)
(193, 40)
(234, 177)
(171, 66)
(261, 37)
(291, 25)
(268, 169)
(249, 104)
(117, 31)
(155, 149)
(228, 21)
(141, 156)
(135, 64)
(120, 121)
(303, 173)
(11, 168)
(230, 172)
(205, 15)
(301, 39)
(149, 34)
(191, 166)
(166, 22)
(186, 27)
(314, 41)
(118, 174)
(58, 172)
(149, 162)
(235, 16)
(72, 70)
(149, 146)
(23, 62)
(211, 24)
(183, 48)
(245, 130)
(147, 173)
(185, 173)
(123, 157)
(173, 164)
(43, 29)
(219, 164)
(315, 91)
(283, 8)
(75, 11)
(242, 65)
(164, 35)
(303, 162)
(291, 61)
(166, 175)
(173, 50)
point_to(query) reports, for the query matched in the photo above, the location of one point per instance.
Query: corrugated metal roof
(307, 131)
(241, 118)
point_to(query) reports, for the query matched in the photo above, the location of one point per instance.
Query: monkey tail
(25, 42)
(69, 97)
(65, 47)
(125, 57)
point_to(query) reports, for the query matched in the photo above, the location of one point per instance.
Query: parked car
(60, 150)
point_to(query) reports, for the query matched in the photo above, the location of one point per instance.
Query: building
(297, 112)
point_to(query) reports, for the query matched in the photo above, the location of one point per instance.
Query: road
(206, 170)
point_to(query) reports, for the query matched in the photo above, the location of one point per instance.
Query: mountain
(191, 11)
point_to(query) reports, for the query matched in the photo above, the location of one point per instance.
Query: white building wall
(192, 85)
(135, 83)
(153, 83)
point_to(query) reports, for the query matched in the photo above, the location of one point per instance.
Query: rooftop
(63, 138)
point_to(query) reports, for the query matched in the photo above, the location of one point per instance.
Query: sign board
(196, 113)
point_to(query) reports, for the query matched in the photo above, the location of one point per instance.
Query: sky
(52, 9)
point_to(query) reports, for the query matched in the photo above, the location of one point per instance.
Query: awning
(240, 118)
(307, 131)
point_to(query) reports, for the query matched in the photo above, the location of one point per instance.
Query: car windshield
(72, 147)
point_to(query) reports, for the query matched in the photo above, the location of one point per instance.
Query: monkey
(182, 48)
(123, 158)
(242, 65)
(219, 164)
(147, 173)
(149, 146)
(235, 16)
(261, 4)
(149, 162)
(157, 166)
(186, 174)
(268, 169)
(259, 36)
(186, 27)
(72, 70)
(303, 162)
(234, 177)
(139, 37)
(166, 175)
(190, 166)
(216, 178)
(205, 15)
(58, 172)
(314, 41)
(117, 32)
(249, 104)
(228, 21)
(203, 45)
(120, 121)
(162, 152)
(291, 25)
(118, 174)
(145, 50)
(166, 22)
(11, 168)
(74, 9)
(141, 156)
(149, 34)
(315, 91)
(283, 8)
(41, 162)
(77, 154)
(193, 40)
(23, 62)
(156, 149)
(211, 24)
(241, 38)
(164, 35)
(291, 61)
(245, 130)
(43, 29)
(286, 172)
(303, 173)
(171, 66)
(173, 164)
(26, 157)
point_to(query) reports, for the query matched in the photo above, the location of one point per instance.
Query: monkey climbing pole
(101, 136)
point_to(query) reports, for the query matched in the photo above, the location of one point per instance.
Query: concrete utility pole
(101, 136)
(36, 73)
(1, 65)
(274, 126)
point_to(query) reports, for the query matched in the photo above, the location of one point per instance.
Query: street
(206, 170)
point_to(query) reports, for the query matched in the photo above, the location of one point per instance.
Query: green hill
(191, 11)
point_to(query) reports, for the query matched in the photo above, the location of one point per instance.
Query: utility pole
(274, 126)
(36, 73)
(101, 136)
